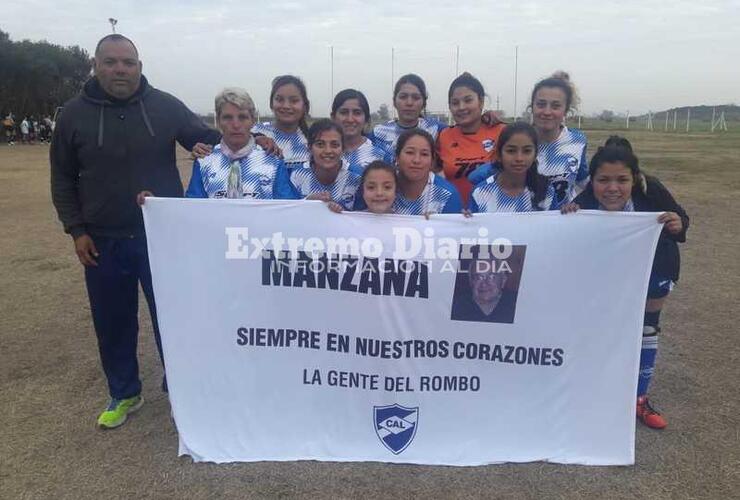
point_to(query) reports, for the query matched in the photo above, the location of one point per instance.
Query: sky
(634, 56)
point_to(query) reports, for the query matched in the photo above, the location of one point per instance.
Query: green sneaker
(117, 411)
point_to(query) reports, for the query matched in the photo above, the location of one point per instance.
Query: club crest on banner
(395, 426)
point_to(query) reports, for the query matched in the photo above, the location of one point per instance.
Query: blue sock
(648, 352)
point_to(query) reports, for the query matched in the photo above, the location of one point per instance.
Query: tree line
(36, 77)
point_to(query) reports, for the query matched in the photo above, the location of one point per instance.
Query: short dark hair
(408, 134)
(619, 141)
(613, 153)
(469, 81)
(320, 126)
(115, 37)
(346, 95)
(414, 80)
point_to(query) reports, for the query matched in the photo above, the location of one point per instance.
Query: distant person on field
(42, 130)
(25, 129)
(9, 128)
(47, 128)
(113, 140)
(34, 129)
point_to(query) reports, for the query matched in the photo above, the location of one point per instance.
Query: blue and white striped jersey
(386, 134)
(367, 153)
(294, 146)
(438, 197)
(488, 196)
(263, 176)
(344, 189)
(563, 162)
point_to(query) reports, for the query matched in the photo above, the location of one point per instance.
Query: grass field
(52, 388)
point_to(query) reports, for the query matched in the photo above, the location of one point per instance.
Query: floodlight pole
(688, 119)
(628, 119)
(516, 74)
(393, 75)
(666, 121)
(713, 111)
(113, 23)
(331, 51)
(457, 62)
(393, 70)
(675, 119)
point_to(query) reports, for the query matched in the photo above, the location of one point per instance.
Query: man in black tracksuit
(115, 139)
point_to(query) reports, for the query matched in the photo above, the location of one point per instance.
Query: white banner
(498, 338)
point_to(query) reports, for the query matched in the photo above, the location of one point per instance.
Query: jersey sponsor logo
(560, 186)
(572, 163)
(395, 426)
(488, 145)
(347, 199)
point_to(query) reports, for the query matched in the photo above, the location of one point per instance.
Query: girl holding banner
(418, 190)
(378, 186)
(618, 185)
(326, 176)
(351, 111)
(514, 185)
(421, 191)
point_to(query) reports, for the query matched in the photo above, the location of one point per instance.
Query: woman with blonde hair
(237, 167)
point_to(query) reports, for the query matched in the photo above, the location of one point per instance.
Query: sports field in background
(52, 387)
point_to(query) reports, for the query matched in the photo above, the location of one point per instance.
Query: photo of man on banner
(487, 283)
